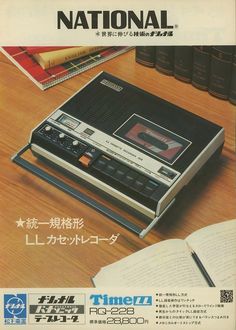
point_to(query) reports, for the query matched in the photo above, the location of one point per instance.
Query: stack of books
(209, 68)
(48, 66)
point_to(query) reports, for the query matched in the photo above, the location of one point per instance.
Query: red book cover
(50, 77)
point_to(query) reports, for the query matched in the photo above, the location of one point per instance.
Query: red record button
(85, 160)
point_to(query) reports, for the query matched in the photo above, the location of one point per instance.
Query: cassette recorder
(132, 145)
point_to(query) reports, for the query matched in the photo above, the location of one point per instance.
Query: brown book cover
(183, 63)
(165, 59)
(220, 71)
(145, 55)
(201, 66)
(232, 92)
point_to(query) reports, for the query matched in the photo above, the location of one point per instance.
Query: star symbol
(20, 223)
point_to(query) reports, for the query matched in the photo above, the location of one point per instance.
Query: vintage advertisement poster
(118, 164)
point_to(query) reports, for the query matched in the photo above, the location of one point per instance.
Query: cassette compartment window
(152, 138)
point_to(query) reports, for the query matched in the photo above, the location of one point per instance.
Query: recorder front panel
(86, 158)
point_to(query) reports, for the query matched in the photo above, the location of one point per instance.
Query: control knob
(75, 143)
(61, 136)
(48, 129)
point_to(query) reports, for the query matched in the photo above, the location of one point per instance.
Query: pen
(202, 268)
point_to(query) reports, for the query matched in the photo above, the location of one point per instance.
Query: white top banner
(73, 22)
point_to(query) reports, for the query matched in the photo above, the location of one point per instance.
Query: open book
(207, 257)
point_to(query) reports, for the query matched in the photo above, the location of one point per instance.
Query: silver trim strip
(91, 80)
(155, 220)
(189, 173)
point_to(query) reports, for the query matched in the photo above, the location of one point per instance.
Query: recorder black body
(132, 145)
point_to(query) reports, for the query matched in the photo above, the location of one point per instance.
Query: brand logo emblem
(111, 85)
(117, 19)
(15, 308)
(56, 308)
(104, 299)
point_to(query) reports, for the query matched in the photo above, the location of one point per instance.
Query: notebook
(50, 77)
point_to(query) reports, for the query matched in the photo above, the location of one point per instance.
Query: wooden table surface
(209, 199)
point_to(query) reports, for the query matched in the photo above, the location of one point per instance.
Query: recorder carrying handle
(80, 196)
(70, 190)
